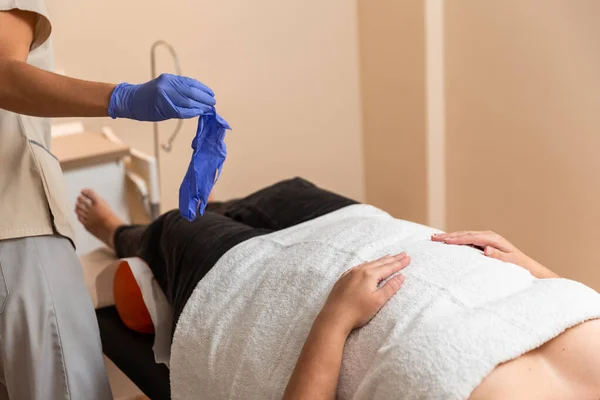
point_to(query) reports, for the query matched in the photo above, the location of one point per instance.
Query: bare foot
(97, 217)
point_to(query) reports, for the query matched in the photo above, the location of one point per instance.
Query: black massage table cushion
(132, 353)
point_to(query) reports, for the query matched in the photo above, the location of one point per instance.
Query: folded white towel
(458, 315)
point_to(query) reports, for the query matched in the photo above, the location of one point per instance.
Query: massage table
(132, 354)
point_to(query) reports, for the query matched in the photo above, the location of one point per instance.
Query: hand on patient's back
(168, 96)
(494, 245)
(356, 297)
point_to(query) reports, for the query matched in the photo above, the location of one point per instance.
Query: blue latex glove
(204, 170)
(168, 96)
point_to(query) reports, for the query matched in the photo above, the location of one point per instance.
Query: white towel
(458, 315)
(161, 312)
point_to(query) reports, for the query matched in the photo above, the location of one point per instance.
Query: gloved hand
(168, 96)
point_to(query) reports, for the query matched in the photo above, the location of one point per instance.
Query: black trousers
(180, 253)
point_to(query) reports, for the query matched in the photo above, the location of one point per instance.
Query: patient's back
(567, 367)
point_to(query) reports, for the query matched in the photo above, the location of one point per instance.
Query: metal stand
(155, 207)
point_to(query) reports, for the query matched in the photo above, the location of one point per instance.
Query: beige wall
(393, 88)
(285, 74)
(523, 127)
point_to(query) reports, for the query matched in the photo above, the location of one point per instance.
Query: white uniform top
(32, 194)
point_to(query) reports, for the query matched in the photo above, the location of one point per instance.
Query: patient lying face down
(180, 253)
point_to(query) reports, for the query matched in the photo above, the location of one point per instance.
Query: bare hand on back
(356, 297)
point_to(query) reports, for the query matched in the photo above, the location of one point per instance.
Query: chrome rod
(157, 146)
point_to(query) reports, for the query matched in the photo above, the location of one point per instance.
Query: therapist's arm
(353, 302)
(25, 89)
(495, 246)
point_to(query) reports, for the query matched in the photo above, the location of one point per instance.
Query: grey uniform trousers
(49, 341)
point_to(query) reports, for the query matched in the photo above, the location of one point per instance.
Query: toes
(82, 217)
(82, 203)
(81, 210)
(90, 195)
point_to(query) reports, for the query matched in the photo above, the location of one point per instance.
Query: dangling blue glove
(168, 96)
(205, 167)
